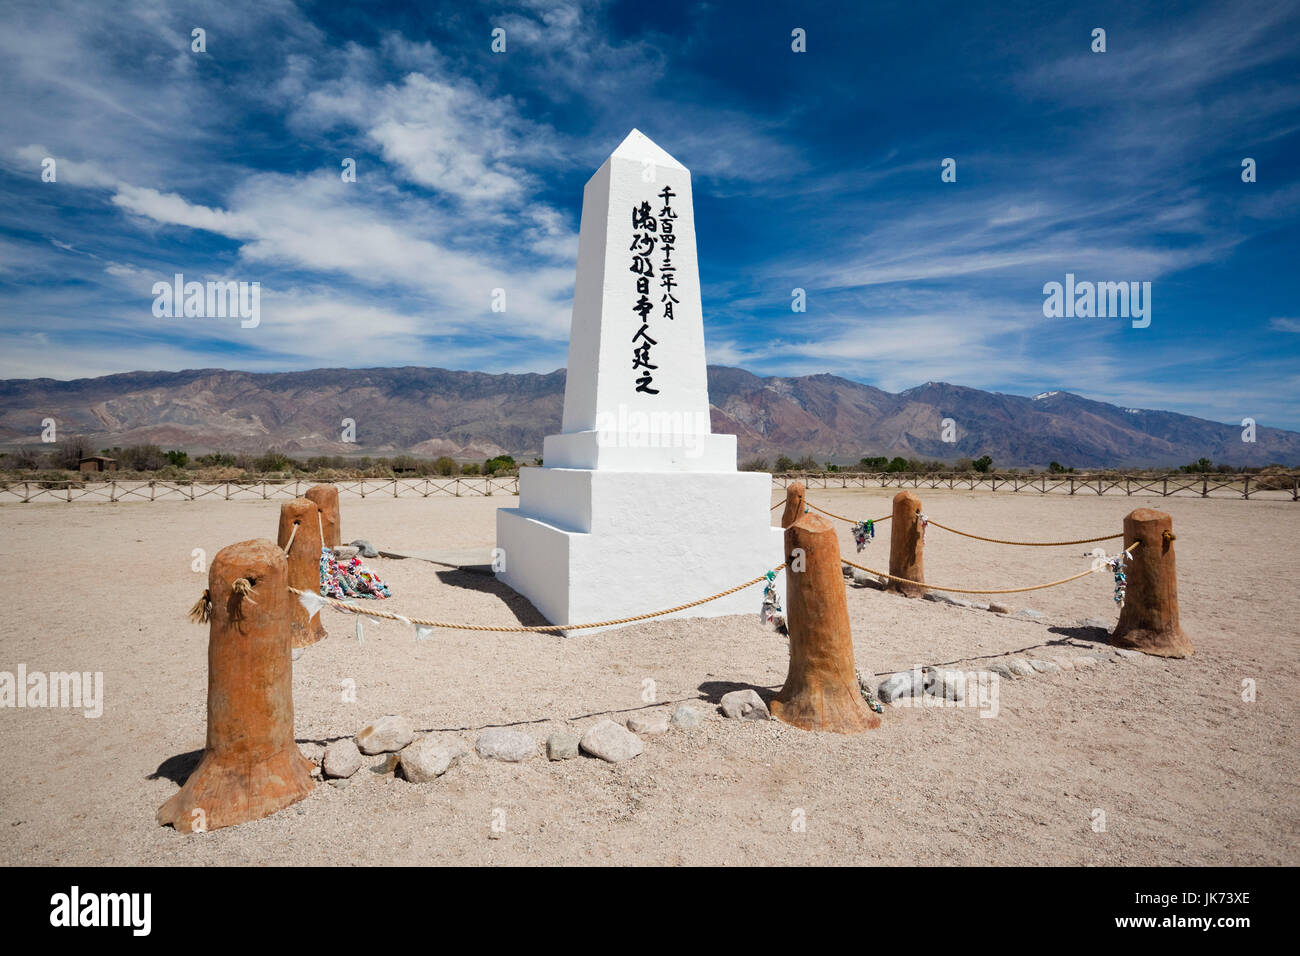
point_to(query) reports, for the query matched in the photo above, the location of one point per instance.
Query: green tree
(983, 464)
(1200, 466)
(897, 464)
(784, 463)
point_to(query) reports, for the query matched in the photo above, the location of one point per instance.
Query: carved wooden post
(251, 766)
(1148, 621)
(794, 504)
(327, 500)
(906, 545)
(821, 687)
(298, 524)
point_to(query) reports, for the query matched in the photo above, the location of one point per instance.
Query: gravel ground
(1184, 770)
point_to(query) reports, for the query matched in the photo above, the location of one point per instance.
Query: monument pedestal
(587, 545)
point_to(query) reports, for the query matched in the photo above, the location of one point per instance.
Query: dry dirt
(1185, 771)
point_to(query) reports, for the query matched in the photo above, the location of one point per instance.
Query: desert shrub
(142, 458)
(500, 465)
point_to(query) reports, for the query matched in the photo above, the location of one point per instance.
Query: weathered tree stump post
(300, 535)
(906, 545)
(1148, 622)
(794, 504)
(821, 687)
(327, 500)
(251, 766)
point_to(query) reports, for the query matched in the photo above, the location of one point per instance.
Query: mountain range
(475, 415)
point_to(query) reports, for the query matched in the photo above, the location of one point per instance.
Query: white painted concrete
(640, 507)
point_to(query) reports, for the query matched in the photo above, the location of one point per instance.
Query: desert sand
(1185, 770)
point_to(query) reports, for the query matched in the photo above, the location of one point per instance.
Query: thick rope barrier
(519, 629)
(1035, 587)
(966, 534)
(841, 517)
(1027, 544)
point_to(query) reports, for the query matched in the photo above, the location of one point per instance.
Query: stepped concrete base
(587, 546)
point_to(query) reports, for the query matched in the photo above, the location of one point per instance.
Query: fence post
(326, 498)
(1245, 492)
(906, 545)
(1148, 621)
(298, 519)
(251, 766)
(821, 685)
(794, 504)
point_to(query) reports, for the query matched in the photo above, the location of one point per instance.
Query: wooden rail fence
(144, 490)
(1275, 487)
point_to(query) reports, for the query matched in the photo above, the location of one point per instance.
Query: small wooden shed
(98, 463)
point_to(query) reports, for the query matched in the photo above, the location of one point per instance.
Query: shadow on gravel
(177, 769)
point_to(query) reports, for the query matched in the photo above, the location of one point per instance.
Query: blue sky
(816, 170)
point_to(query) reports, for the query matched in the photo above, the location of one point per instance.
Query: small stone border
(421, 758)
(864, 580)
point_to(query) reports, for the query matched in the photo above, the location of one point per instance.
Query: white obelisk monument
(639, 506)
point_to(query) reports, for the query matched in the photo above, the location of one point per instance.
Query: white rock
(944, 598)
(1132, 655)
(386, 735)
(1020, 667)
(648, 723)
(430, 757)
(1028, 614)
(950, 685)
(562, 746)
(686, 717)
(900, 685)
(1045, 667)
(744, 705)
(1094, 622)
(342, 759)
(610, 741)
(502, 743)
(1002, 669)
